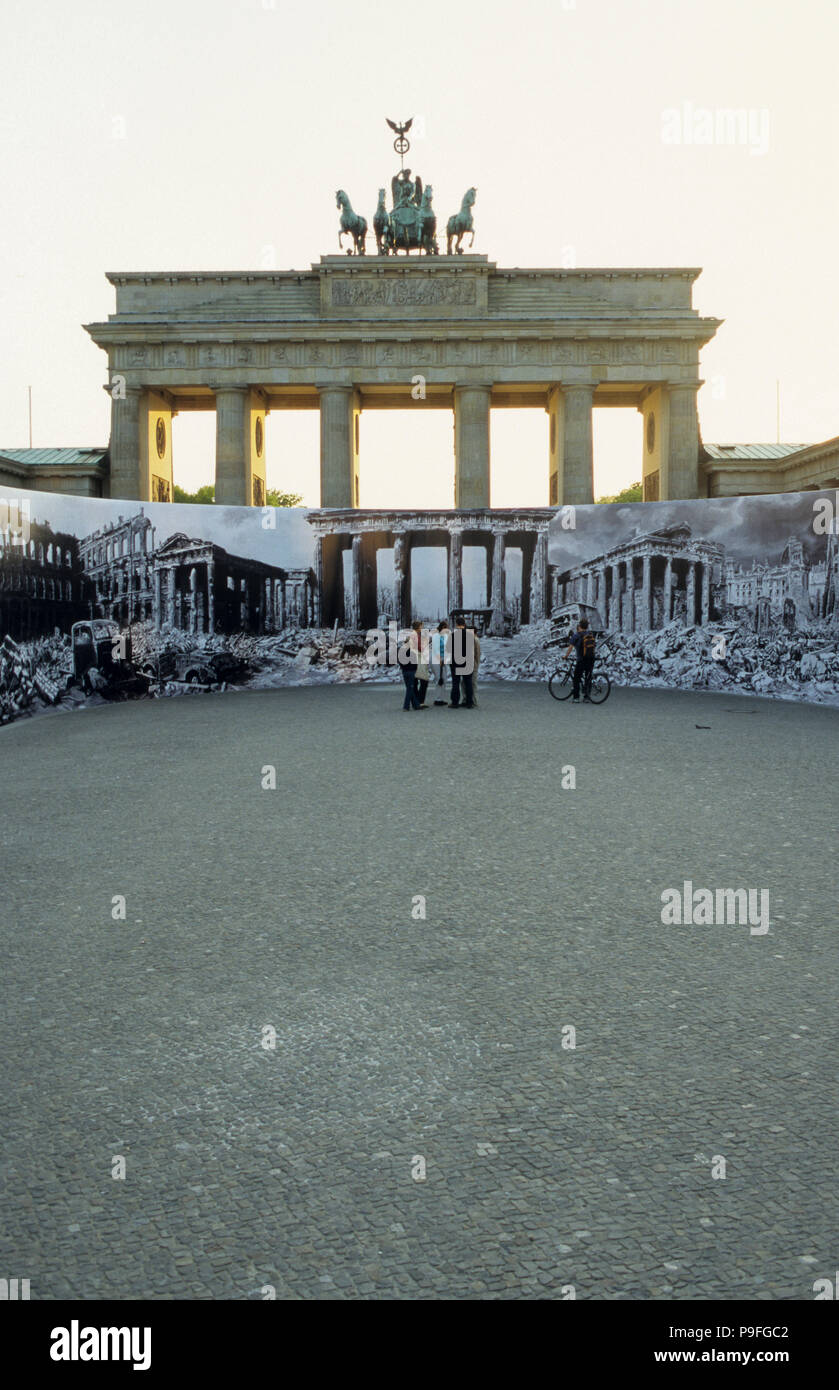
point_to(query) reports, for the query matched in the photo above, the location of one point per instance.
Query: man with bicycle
(582, 643)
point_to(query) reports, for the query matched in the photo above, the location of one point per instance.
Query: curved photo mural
(114, 600)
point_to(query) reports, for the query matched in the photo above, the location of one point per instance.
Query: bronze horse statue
(461, 223)
(352, 224)
(381, 226)
(428, 224)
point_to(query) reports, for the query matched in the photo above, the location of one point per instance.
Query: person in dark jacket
(463, 665)
(582, 644)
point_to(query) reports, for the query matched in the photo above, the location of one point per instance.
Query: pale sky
(212, 134)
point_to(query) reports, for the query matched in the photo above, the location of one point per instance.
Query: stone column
(129, 425)
(232, 446)
(576, 476)
(402, 579)
(690, 608)
(170, 597)
(667, 596)
(706, 593)
(455, 576)
(681, 473)
(498, 595)
(538, 574)
(471, 446)
(629, 616)
(355, 599)
(318, 578)
(211, 598)
(615, 618)
(644, 625)
(338, 453)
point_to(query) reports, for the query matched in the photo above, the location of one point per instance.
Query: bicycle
(561, 684)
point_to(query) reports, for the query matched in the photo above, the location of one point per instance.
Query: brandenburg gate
(382, 332)
(389, 331)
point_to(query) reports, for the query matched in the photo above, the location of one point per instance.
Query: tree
(633, 493)
(203, 495)
(207, 493)
(273, 498)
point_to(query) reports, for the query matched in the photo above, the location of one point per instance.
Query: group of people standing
(428, 659)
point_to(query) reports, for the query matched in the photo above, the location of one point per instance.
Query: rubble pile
(728, 656)
(33, 675)
(523, 657)
(722, 656)
(52, 661)
(17, 686)
(298, 656)
(319, 657)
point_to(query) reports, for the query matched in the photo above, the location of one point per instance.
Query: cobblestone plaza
(420, 1128)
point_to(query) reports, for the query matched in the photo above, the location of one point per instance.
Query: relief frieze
(363, 291)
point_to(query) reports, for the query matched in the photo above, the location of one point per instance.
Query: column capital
(473, 386)
(231, 388)
(134, 392)
(334, 386)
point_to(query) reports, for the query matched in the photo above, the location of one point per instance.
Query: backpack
(588, 644)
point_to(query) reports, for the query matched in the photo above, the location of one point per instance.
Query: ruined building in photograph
(794, 589)
(647, 581)
(118, 572)
(117, 562)
(198, 587)
(652, 579)
(354, 598)
(41, 582)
